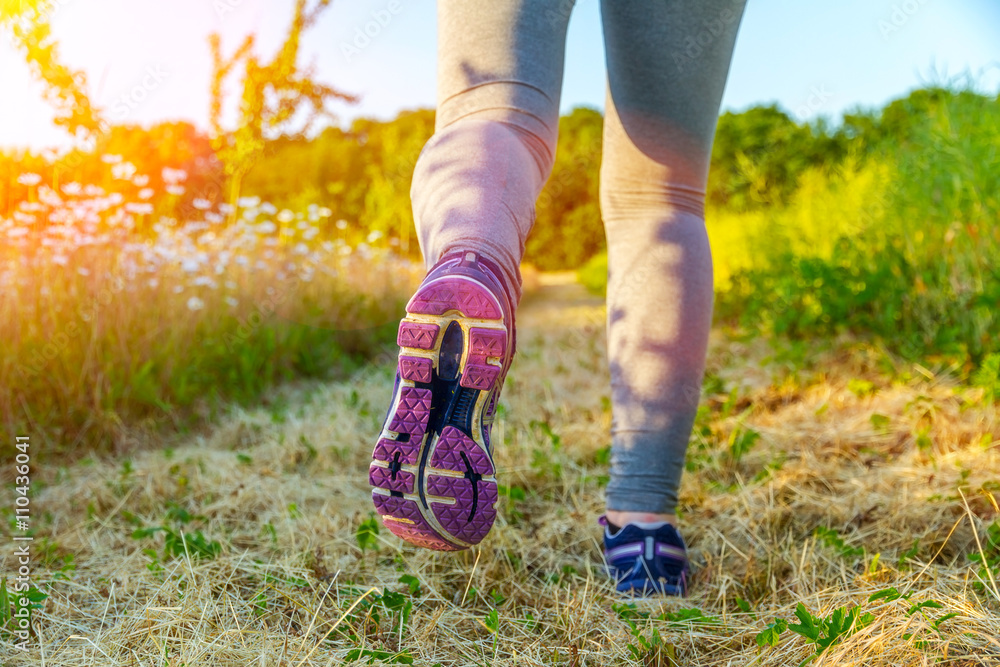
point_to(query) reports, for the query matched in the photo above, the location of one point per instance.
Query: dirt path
(560, 301)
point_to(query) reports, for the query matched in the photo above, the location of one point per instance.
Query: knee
(635, 201)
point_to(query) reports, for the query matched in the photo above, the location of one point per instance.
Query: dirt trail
(559, 301)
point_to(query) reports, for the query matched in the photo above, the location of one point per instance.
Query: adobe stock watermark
(363, 35)
(155, 75)
(817, 99)
(223, 7)
(901, 14)
(560, 14)
(694, 45)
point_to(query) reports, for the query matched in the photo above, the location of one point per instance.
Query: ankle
(620, 518)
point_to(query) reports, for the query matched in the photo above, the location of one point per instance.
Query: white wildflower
(374, 236)
(141, 181)
(341, 224)
(285, 216)
(201, 204)
(139, 209)
(324, 212)
(83, 271)
(301, 249)
(226, 208)
(190, 265)
(111, 159)
(194, 303)
(173, 176)
(175, 190)
(248, 202)
(123, 171)
(16, 232)
(214, 218)
(72, 189)
(146, 193)
(29, 179)
(60, 260)
(232, 301)
(178, 289)
(49, 197)
(266, 227)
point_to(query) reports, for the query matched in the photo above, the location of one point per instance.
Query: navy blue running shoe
(646, 559)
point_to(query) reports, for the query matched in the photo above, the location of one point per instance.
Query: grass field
(202, 396)
(822, 477)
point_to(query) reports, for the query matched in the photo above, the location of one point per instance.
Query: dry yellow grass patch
(283, 490)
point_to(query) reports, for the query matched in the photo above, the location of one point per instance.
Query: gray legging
(500, 68)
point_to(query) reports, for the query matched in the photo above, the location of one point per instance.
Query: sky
(148, 61)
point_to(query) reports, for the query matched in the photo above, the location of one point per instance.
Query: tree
(568, 229)
(759, 154)
(65, 89)
(273, 95)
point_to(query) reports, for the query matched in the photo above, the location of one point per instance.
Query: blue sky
(147, 60)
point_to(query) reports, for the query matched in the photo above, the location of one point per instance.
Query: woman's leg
(474, 191)
(500, 67)
(667, 67)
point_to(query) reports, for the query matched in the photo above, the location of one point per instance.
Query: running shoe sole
(432, 472)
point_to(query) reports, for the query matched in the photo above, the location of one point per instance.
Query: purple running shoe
(432, 468)
(646, 559)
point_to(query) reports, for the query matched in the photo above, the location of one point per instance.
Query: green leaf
(492, 621)
(741, 441)
(861, 388)
(807, 626)
(771, 634)
(879, 422)
(367, 534)
(887, 594)
(937, 622)
(926, 604)
(412, 582)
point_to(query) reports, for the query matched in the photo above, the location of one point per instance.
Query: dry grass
(284, 489)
